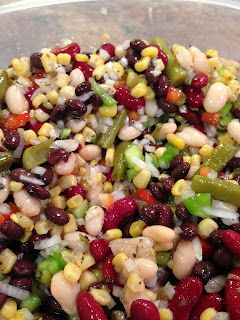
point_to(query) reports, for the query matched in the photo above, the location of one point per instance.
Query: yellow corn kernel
(15, 186)
(175, 140)
(109, 158)
(21, 67)
(49, 61)
(142, 64)
(10, 72)
(7, 260)
(135, 283)
(45, 130)
(151, 295)
(87, 279)
(214, 63)
(86, 262)
(68, 255)
(26, 236)
(82, 172)
(98, 177)
(64, 59)
(74, 201)
(118, 261)
(98, 273)
(22, 220)
(141, 180)
(20, 315)
(41, 116)
(99, 71)
(170, 264)
(80, 138)
(108, 111)
(101, 296)
(29, 135)
(53, 97)
(9, 309)
(206, 227)
(165, 314)
(95, 60)
(132, 79)
(72, 272)
(42, 227)
(81, 57)
(151, 52)
(88, 134)
(113, 234)
(56, 230)
(42, 139)
(32, 114)
(66, 182)
(187, 159)
(38, 100)
(107, 187)
(208, 314)
(55, 191)
(206, 150)
(160, 151)
(62, 79)
(136, 228)
(211, 53)
(178, 187)
(117, 67)
(139, 90)
(71, 225)
(150, 95)
(1, 134)
(59, 202)
(195, 160)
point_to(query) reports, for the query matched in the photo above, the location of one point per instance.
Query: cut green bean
(108, 100)
(119, 164)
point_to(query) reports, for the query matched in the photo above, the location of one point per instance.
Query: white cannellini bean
(76, 77)
(90, 152)
(4, 188)
(216, 97)
(65, 168)
(166, 128)
(193, 137)
(233, 129)
(183, 259)
(145, 268)
(74, 242)
(159, 234)
(68, 92)
(200, 61)
(15, 100)
(65, 292)
(94, 220)
(27, 204)
(165, 246)
(128, 133)
(183, 57)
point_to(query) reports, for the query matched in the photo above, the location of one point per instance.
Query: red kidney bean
(231, 240)
(72, 49)
(96, 101)
(166, 106)
(48, 176)
(199, 81)
(56, 155)
(161, 54)
(204, 270)
(99, 249)
(176, 161)
(149, 75)
(35, 60)
(189, 230)
(194, 97)
(157, 192)
(82, 88)
(35, 125)
(211, 300)
(75, 107)
(58, 113)
(12, 230)
(182, 213)
(86, 69)
(222, 258)
(216, 238)
(162, 85)
(168, 184)
(57, 216)
(23, 283)
(138, 45)
(232, 295)
(23, 268)
(132, 57)
(11, 139)
(109, 47)
(180, 171)
(3, 299)
(74, 190)
(144, 310)
(207, 249)
(88, 308)
(192, 118)
(37, 191)
(16, 173)
(123, 96)
(187, 294)
(109, 273)
(120, 210)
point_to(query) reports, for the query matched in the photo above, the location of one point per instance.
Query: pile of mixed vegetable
(119, 184)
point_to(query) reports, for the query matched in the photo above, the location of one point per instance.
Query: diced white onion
(31, 180)
(220, 213)
(151, 283)
(104, 54)
(18, 151)
(39, 170)
(215, 284)
(229, 222)
(13, 291)
(149, 148)
(210, 130)
(197, 248)
(224, 205)
(47, 243)
(169, 290)
(117, 291)
(119, 194)
(154, 171)
(4, 208)
(84, 97)
(129, 265)
(68, 144)
(221, 316)
(27, 314)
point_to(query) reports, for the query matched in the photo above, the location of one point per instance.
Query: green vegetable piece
(226, 109)
(85, 240)
(65, 133)
(80, 211)
(168, 156)
(108, 100)
(203, 200)
(119, 164)
(107, 139)
(31, 302)
(133, 150)
(6, 159)
(220, 189)
(131, 173)
(154, 160)
(3, 83)
(225, 121)
(36, 155)
(193, 208)
(1, 276)
(175, 73)
(58, 258)
(162, 258)
(220, 157)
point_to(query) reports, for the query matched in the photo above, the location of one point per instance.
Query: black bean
(75, 107)
(35, 60)
(176, 161)
(216, 238)
(204, 270)
(235, 227)
(149, 214)
(96, 101)
(23, 268)
(3, 244)
(48, 317)
(161, 87)
(82, 88)
(11, 139)
(53, 306)
(12, 230)
(35, 238)
(125, 227)
(58, 113)
(57, 215)
(165, 215)
(166, 106)
(236, 112)
(163, 276)
(23, 283)
(138, 45)
(180, 171)
(234, 163)
(37, 191)
(222, 258)
(132, 57)
(3, 299)
(149, 75)
(157, 192)
(56, 155)
(16, 174)
(48, 176)
(168, 184)
(182, 213)
(189, 230)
